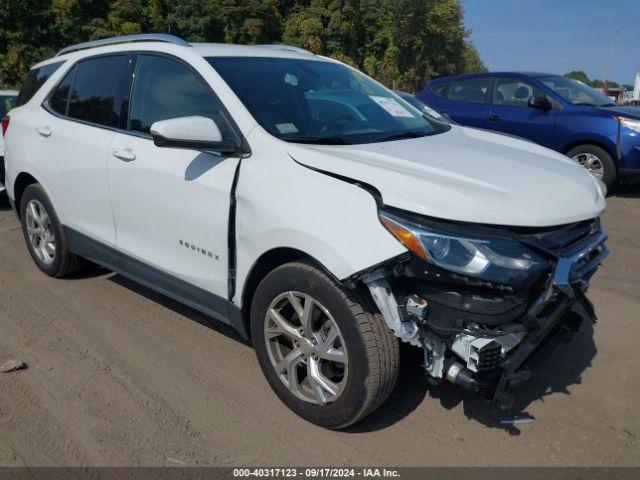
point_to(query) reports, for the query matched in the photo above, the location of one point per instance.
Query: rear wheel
(44, 235)
(324, 350)
(597, 162)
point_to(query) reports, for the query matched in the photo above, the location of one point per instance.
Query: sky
(557, 36)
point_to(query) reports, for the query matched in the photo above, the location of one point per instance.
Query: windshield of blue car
(576, 92)
(311, 101)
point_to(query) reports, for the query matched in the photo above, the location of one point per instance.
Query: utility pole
(612, 52)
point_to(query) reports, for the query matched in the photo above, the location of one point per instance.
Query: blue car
(554, 111)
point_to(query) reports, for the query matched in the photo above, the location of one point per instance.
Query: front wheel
(597, 162)
(324, 350)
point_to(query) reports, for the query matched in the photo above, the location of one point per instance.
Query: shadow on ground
(627, 190)
(563, 368)
(4, 202)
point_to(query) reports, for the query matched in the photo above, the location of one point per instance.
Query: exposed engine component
(481, 333)
(483, 353)
(405, 330)
(416, 307)
(434, 356)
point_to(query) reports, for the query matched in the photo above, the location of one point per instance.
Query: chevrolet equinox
(309, 207)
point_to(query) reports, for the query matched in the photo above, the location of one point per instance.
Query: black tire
(610, 172)
(373, 350)
(64, 262)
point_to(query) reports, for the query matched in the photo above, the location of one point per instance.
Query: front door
(510, 113)
(171, 206)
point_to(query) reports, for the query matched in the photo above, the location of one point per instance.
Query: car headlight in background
(630, 123)
(501, 261)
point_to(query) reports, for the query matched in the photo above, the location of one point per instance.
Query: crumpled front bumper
(558, 310)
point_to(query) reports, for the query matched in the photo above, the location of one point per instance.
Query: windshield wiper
(401, 135)
(319, 140)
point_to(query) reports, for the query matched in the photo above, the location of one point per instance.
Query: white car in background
(7, 102)
(298, 200)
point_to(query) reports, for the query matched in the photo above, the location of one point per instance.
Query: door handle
(44, 131)
(125, 155)
(494, 118)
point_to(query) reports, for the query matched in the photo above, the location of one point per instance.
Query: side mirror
(194, 133)
(539, 102)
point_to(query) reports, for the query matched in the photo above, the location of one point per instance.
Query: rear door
(171, 205)
(510, 113)
(466, 101)
(71, 137)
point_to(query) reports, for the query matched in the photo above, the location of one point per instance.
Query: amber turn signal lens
(405, 237)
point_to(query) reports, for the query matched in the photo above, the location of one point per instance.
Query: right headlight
(503, 261)
(630, 123)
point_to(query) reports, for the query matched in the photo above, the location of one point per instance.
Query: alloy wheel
(592, 163)
(40, 232)
(306, 347)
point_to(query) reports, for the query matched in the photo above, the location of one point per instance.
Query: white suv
(309, 207)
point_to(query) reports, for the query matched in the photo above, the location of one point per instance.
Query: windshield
(576, 92)
(313, 101)
(7, 102)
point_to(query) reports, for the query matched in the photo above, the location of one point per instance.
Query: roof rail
(142, 37)
(291, 48)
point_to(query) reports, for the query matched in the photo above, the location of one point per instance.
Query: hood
(466, 175)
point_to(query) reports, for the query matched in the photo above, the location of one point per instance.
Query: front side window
(513, 92)
(315, 101)
(34, 80)
(576, 92)
(165, 88)
(472, 90)
(98, 94)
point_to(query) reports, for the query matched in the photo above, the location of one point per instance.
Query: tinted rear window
(98, 91)
(441, 90)
(34, 80)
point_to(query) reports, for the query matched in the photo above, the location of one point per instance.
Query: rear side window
(99, 91)
(472, 90)
(441, 90)
(165, 88)
(59, 99)
(34, 80)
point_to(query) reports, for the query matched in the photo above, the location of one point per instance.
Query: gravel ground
(118, 375)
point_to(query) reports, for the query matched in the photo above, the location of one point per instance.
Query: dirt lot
(121, 376)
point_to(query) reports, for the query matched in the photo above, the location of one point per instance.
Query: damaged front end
(480, 300)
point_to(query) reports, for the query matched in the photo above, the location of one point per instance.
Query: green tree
(400, 42)
(472, 61)
(579, 75)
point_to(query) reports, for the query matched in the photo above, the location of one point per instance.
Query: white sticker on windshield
(286, 127)
(391, 106)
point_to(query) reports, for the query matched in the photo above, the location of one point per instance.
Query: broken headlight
(496, 260)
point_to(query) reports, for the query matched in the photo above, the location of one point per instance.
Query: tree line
(399, 42)
(595, 83)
